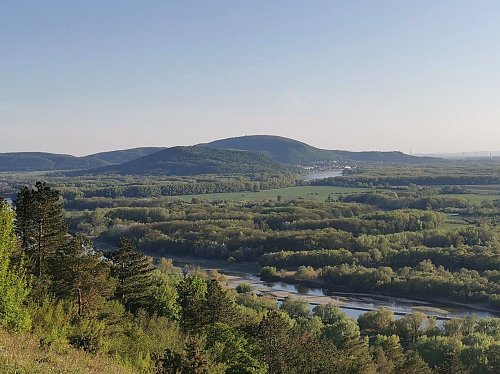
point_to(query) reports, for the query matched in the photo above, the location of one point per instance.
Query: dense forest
(479, 172)
(78, 190)
(348, 244)
(127, 312)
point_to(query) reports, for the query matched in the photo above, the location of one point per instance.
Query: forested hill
(125, 155)
(40, 161)
(277, 148)
(196, 160)
(294, 152)
(37, 161)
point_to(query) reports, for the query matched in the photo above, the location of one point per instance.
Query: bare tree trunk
(40, 254)
(80, 304)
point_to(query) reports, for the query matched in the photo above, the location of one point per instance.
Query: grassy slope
(21, 354)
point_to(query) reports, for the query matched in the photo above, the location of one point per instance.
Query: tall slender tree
(192, 291)
(14, 287)
(274, 340)
(218, 305)
(25, 219)
(415, 365)
(134, 273)
(82, 274)
(452, 364)
(195, 361)
(40, 225)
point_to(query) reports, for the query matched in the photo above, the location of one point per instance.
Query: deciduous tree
(14, 287)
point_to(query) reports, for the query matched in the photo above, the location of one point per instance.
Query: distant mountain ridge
(124, 155)
(264, 149)
(38, 161)
(463, 155)
(195, 160)
(43, 161)
(291, 151)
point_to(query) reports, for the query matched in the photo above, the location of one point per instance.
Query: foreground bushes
(24, 354)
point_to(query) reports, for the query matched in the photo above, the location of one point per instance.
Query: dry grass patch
(22, 354)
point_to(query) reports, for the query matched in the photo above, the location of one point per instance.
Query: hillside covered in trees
(294, 152)
(40, 161)
(127, 313)
(279, 149)
(195, 161)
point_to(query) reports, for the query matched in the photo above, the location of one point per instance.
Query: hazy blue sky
(85, 76)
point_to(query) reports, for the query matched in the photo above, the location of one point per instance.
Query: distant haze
(482, 154)
(88, 76)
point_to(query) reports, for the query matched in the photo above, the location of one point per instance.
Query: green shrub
(268, 272)
(244, 288)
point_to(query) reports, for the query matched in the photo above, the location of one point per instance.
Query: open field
(478, 195)
(455, 222)
(307, 192)
(476, 198)
(489, 188)
(482, 193)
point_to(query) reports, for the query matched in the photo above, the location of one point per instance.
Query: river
(353, 304)
(322, 174)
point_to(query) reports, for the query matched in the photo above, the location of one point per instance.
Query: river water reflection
(322, 174)
(354, 304)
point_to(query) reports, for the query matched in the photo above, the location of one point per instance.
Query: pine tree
(384, 365)
(134, 273)
(25, 219)
(192, 292)
(195, 361)
(274, 340)
(415, 365)
(452, 365)
(362, 362)
(40, 225)
(14, 287)
(172, 362)
(82, 274)
(218, 306)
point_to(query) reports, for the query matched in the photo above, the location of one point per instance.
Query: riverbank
(345, 290)
(352, 303)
